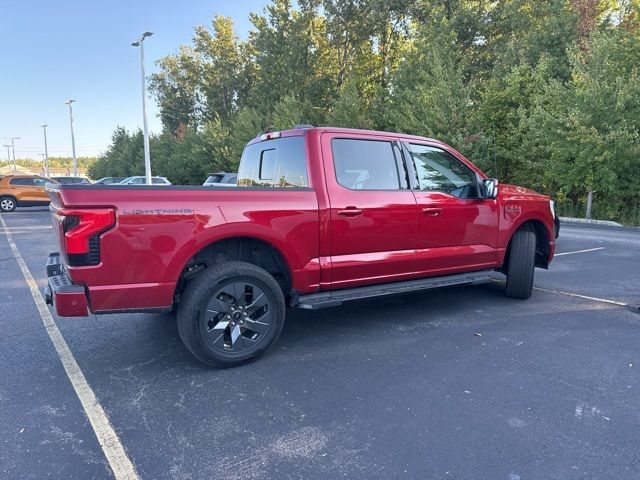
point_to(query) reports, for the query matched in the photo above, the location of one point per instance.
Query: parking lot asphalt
(458, 383)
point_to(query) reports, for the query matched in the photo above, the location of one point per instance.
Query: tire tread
(521, 264)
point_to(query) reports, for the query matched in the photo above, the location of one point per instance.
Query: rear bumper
(68, 300)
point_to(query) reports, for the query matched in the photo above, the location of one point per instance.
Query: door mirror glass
(490, 187)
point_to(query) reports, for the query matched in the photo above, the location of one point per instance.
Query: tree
(590, 127)
(429, 93)
(176, 87)
(221, 68)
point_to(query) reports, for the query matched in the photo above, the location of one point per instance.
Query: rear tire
(521, 264)
(230, 314)
(7, 204)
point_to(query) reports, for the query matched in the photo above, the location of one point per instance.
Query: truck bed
(157, 230)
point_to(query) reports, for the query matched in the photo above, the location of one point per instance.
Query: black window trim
(414, 176)
(400, 160)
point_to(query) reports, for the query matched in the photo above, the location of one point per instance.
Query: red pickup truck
(320, 216)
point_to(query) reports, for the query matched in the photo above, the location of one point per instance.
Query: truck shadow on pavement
(360, 325)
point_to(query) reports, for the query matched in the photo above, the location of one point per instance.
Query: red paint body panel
(157, 230)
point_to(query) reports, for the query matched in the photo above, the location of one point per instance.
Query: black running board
(335, 298)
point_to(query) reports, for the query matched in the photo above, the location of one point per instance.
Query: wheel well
(250, 250)
(542, 242)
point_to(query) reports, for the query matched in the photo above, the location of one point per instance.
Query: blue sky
(51, 51)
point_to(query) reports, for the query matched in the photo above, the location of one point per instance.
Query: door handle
(350, 212)
(432, 211)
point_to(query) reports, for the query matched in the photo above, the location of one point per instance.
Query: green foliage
(430, 96)
(123, 158)
(590, 126)
(348, 110)
(544, 93)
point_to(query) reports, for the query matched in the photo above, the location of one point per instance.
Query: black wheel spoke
(218, 306)
(256, 326)
(259, 300)
(218, 341)
(219, 327)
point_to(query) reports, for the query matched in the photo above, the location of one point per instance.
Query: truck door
(373, 217)
(457, 230)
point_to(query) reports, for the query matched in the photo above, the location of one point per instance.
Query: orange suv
(22, 191)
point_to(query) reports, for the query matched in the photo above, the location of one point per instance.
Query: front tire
(521, 264)
(230, 314)
(8, 204)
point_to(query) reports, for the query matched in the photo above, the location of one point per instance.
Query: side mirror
(490, 188)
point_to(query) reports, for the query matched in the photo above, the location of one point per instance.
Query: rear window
(365, 164)
(277, 163)
(214, 178)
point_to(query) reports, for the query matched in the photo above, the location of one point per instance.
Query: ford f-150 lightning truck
(320, 216)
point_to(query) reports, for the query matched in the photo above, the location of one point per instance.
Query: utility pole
(147, 155)
(13, 150)
(46, 152)
(73, 141)
(8, 153)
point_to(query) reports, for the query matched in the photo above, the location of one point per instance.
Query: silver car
(142, 181)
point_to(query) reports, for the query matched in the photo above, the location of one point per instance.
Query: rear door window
(366, 164)
(275, 163)
(22, 181)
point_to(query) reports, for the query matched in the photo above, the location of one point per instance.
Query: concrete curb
(607, 223)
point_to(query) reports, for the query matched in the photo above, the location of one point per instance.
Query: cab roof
(305, 129)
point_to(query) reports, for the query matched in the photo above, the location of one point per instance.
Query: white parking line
(577, 295)
(119, 462)
(569, 294)
(579, 251)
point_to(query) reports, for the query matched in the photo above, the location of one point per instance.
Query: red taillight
(80, 225)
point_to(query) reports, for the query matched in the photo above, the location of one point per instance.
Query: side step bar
(335, 298)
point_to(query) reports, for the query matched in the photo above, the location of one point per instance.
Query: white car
(142, 181)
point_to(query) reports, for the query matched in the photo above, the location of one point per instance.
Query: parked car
(109, 180)
(71, 180)
(221, 179)
(22, 191)
(320, 216)
(143, 181)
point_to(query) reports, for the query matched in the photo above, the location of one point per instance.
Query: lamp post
(73, 141)
(46, 152)
(147, 156)
(13, 150)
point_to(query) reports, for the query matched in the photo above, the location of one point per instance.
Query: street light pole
(147, 155)
(13, 150)
(46, 152)
(73, 140)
